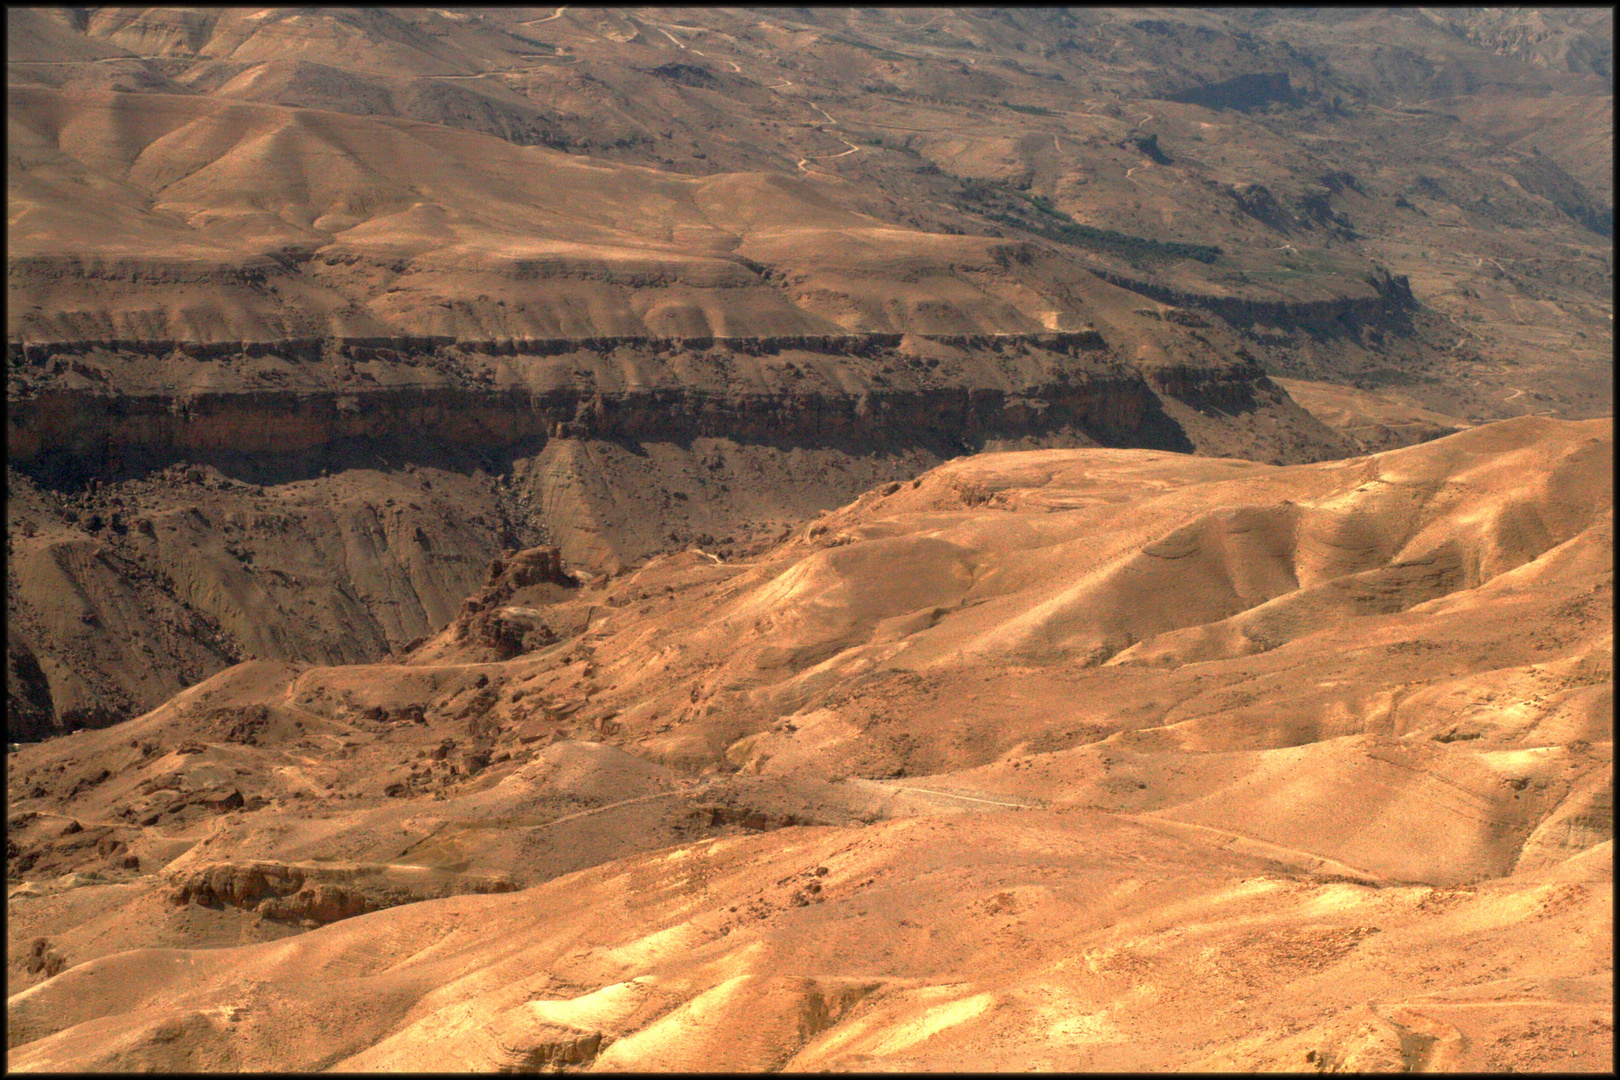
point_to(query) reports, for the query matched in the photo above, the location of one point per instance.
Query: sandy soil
(1291, 767)
(726, 539)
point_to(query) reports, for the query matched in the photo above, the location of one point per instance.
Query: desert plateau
(818, 539)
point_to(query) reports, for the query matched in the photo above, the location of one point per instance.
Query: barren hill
(1288, 765)
(629, 538)
(555, 247)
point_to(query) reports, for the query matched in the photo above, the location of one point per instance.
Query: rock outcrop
(319, 893)
(487, 619)
(353, 489)
(1383, 298)
(143, 404)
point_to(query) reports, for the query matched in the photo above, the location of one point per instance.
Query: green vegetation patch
(1048, 221)
(885, 143)
(1033, 110)
(542, 46)
(1089, 236)
(876, 50)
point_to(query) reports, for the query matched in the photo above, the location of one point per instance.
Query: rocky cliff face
(876, 388)
(332, 500)
(1383, 298)
(109, 410)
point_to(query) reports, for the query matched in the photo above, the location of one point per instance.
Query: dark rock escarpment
(331, 500)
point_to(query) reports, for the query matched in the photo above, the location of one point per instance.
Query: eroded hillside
(285, 173)
(627, 281)
(1288, 767)
(561, 538)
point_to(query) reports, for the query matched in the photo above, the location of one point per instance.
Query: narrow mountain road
(1309, 861)
(1461, 327)
(98, 60)
(593, 811)
(829, 157)
(610, 806)
(921, 26)
(804, 162)
(1534, 412)
(965, 798)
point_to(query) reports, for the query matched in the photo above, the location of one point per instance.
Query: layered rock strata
(243, 400)
(334, 500)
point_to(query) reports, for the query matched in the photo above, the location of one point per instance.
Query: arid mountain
(1144, 761)
(1298, 142)
(556, 246)
(629, 538)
